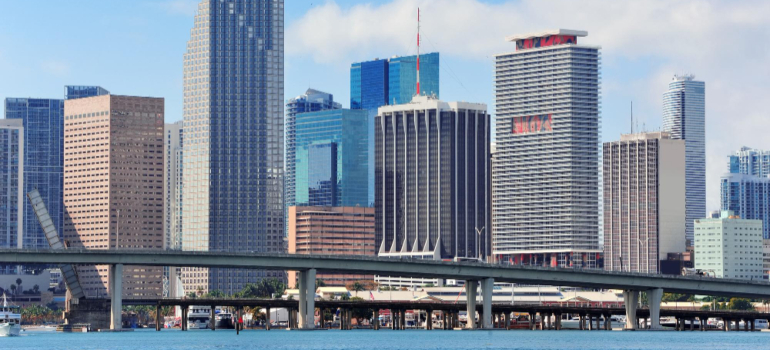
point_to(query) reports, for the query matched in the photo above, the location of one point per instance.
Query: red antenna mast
(418, 51)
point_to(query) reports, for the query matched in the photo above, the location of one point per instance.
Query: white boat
(10, 319)
(198, 317)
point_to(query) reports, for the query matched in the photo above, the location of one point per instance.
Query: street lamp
(478, 241)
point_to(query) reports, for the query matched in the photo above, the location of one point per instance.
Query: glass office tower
(43, 121)
(330, 163)
(684, 116)
(233, 129)
(11, 195)
(392, 81)
(79, 91)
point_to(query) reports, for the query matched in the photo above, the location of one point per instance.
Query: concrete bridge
(474, 274)
(590, 317)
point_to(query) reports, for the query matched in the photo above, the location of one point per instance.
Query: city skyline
(637, 62)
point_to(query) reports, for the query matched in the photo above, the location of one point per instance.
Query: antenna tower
(418, 51)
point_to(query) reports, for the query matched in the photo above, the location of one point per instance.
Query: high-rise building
(747, 196)
(113, 185)
(173, 140)
(334, 231)
(312, 101)
(750, 161)
(433, 180)
(643, 202)
(233, 137)
(545, 189)
(729, 247)
(12, 178)
(43, 121)
(766, 259)
(684, 116)
(78, 91)
(329, 166)
(392, 81)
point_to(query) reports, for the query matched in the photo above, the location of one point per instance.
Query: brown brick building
(113, 185)
(331, 231)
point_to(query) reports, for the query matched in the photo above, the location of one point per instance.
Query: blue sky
(136, 47)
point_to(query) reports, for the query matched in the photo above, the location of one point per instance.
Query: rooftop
(546, 33)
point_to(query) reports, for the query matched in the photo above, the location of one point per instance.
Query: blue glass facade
(322, 175)
(78, 91)
(11, 199)
(233, 130)
(377, 83)
(331, 159)
(748, 197)
(43, 121)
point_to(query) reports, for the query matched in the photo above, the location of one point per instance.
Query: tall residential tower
(546, 167)
(684, 116)
(233, 129)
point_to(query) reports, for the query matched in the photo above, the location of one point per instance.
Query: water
(387, 339)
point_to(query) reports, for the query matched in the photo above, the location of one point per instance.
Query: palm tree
(13, 289)
(357, 286)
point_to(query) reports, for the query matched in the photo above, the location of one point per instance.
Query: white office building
(546, 168)
(684, 116)
(729, 246)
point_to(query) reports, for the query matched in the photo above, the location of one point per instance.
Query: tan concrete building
(331, 231)
(113, 185)
(644, 201)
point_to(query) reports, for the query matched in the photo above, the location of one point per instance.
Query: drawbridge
(52, 235)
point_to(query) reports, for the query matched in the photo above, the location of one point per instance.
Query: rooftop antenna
(418, 51)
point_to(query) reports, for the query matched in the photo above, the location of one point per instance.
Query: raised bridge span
(473, 273)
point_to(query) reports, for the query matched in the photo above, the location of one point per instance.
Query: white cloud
(56, 68)
(721, 42)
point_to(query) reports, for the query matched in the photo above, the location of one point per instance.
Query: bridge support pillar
(558, 321)
(470, 294)
(116, 296)
(507, 320)
(429, 319)
(185, 311)
(213, 318)
(598, 322)
(307, 299)
(487, 286)
(376, 320)
(631, 299)
(268, 319)
(157, 318)
(654, 297)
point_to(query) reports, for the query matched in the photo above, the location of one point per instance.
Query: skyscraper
(233, 130)
(432, 180)
(748, 197)
(393, 81)
(643, 202)
(684, 116)
(173, 139)
(12, 177)
(312, 101)
(113, 185)
(545, 190)
(43, 121)
(329, 166)
(750, 161)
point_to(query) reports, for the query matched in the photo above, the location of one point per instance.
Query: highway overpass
(473, 273)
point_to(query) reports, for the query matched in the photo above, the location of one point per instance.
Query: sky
(136, 47)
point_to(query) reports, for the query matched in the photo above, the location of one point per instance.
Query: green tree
(263, 289)
(215, 294)
(740, 304)
(36, 289)
(319, 283)
(361, 313)
(356, 286)
(13, 289)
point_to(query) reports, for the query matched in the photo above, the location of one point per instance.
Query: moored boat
(10, 319)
